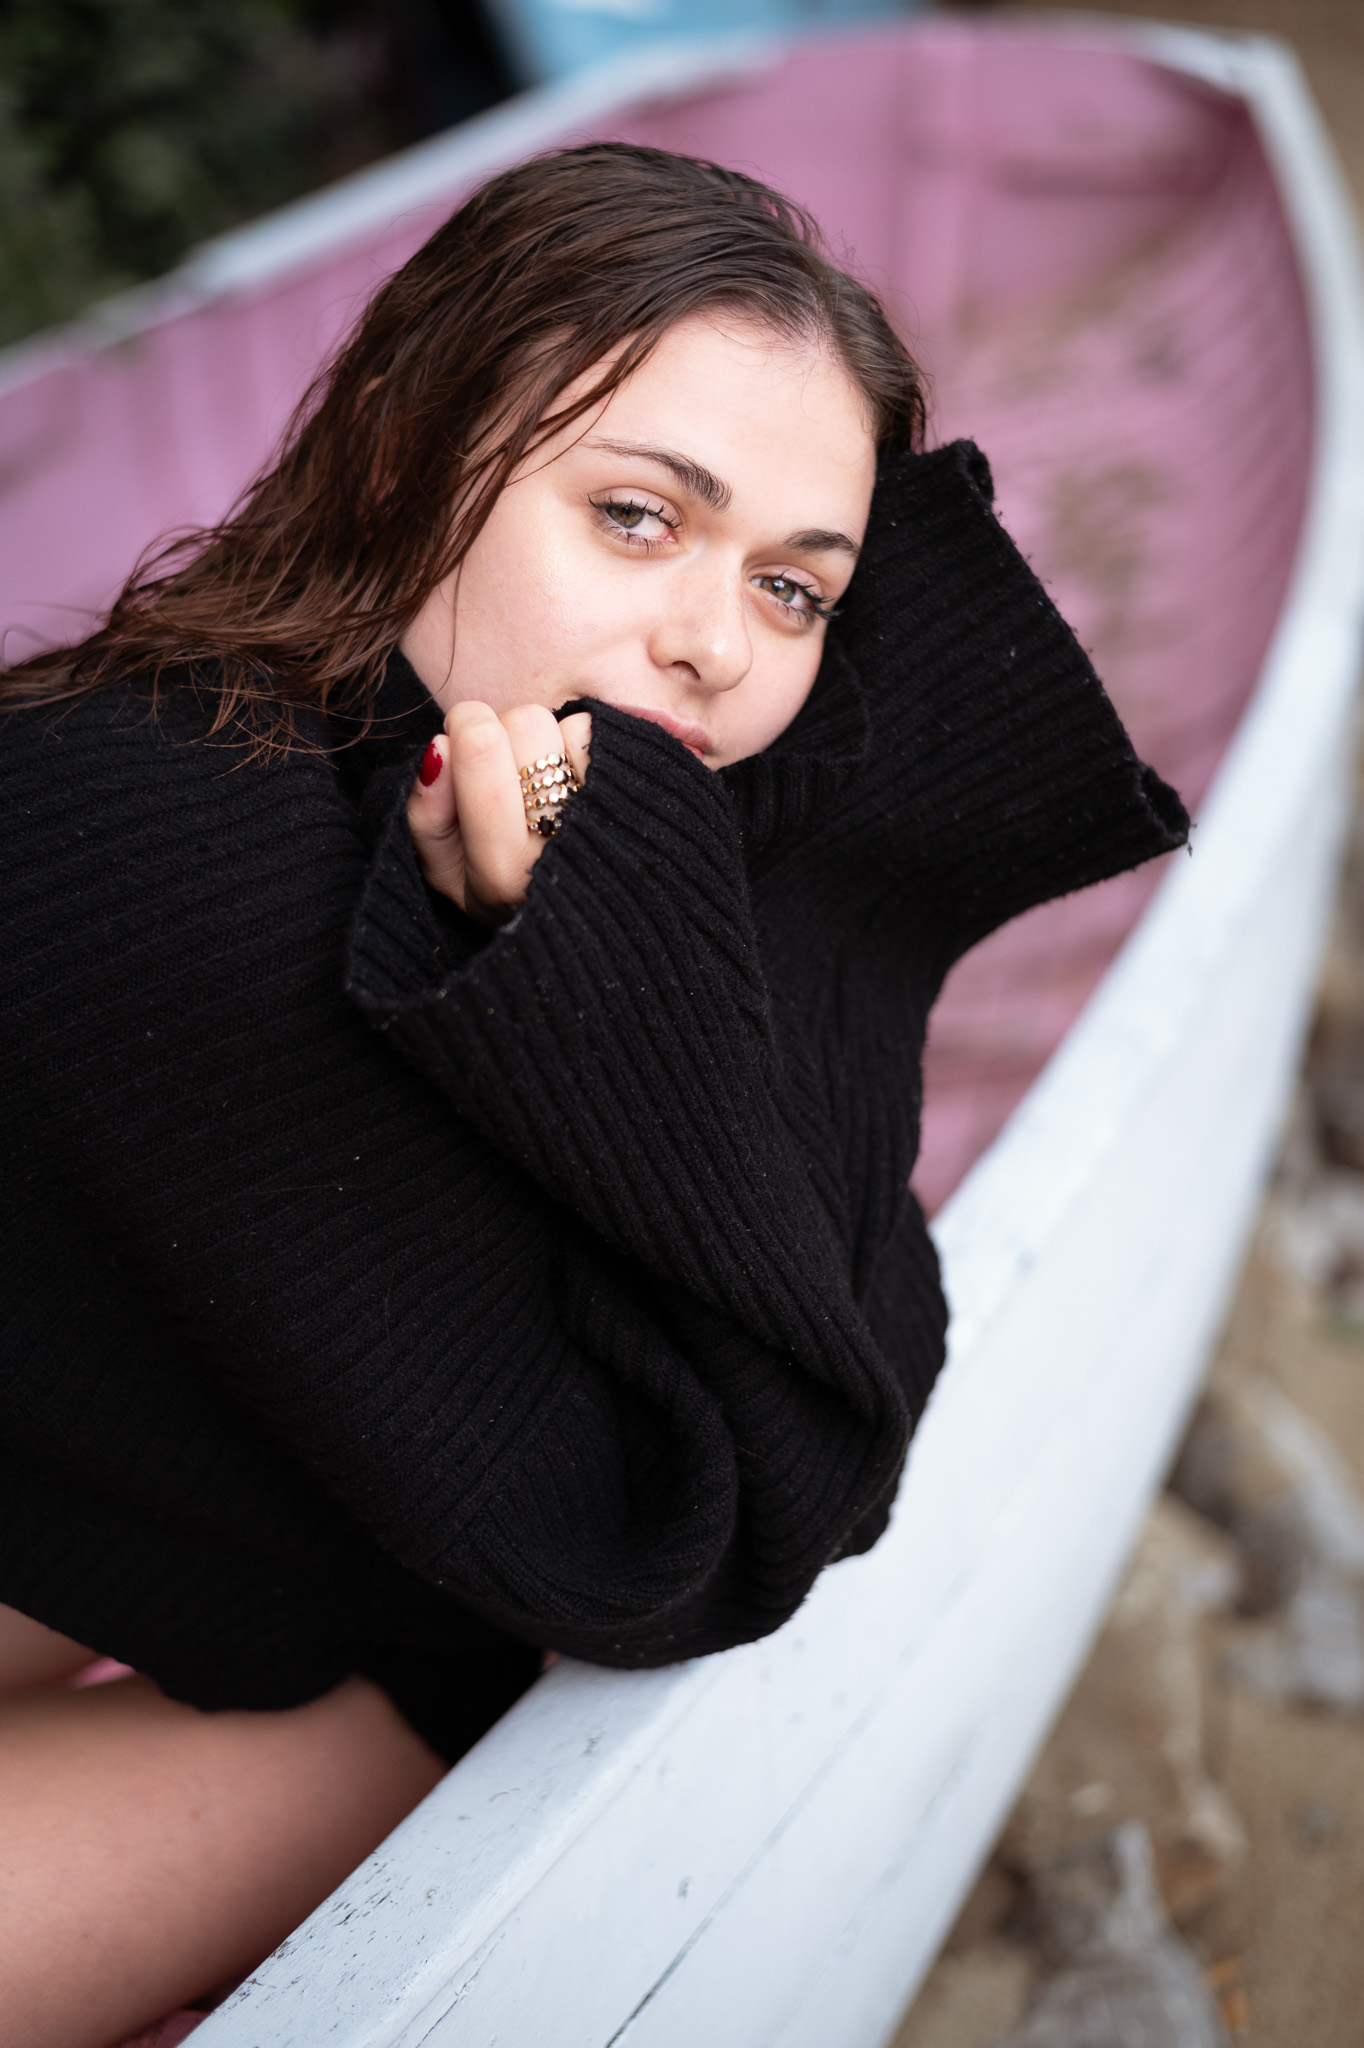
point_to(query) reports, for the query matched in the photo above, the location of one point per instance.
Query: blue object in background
(547, 39)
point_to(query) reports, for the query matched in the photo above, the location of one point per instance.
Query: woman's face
(675, 555)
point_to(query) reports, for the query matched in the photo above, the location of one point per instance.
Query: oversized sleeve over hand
(614, 1042)
(614, 1039)
(999, 773)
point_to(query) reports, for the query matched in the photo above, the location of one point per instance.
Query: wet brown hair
(399, 449)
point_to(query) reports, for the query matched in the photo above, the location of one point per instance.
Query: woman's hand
(465, 812)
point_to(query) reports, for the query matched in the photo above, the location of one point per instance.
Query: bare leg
(33, 1655)
(148, 1850)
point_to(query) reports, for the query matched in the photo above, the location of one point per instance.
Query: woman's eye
(794, 597)
(644, 522)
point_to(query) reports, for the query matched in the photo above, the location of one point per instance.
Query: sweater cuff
(405, 937)
(1000, 773)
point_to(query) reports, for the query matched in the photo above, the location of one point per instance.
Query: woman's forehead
(742, 408)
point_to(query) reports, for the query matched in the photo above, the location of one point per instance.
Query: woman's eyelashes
(634, 520)
(796, 598)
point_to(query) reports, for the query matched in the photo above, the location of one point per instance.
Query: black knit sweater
(380, 1294)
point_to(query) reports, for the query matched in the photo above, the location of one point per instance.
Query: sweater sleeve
(614, 1040)
(999, 774)
(530, 1278)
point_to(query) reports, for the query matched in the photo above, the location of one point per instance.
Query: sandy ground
(1260, 1834)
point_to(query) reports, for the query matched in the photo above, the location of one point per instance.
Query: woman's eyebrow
(692, 476)
(705, 485)
(821, 540)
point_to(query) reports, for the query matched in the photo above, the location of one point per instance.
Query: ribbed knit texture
(382, 1294)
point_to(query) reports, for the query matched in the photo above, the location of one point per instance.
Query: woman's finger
(534, 734)
(533, 731)
(433, 820)
(499, 852)
(575, 737)
(537, 735)
(466, 810)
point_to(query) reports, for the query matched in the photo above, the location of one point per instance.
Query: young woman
(470, 925)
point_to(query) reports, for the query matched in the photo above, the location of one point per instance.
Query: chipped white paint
(764, 1850)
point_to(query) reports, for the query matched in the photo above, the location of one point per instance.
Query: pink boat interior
(1088, 254)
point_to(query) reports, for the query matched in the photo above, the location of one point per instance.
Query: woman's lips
(695, 737)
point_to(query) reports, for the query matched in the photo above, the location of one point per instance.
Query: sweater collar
(405, 715)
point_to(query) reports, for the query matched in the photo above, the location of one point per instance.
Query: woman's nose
(703, 626)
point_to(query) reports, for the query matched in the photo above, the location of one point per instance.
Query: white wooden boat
(1139, 271)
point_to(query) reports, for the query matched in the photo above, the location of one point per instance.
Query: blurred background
(132, 129)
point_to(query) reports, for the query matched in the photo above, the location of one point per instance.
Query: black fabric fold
(999, 774)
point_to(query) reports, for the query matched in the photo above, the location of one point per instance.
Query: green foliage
(131, 129)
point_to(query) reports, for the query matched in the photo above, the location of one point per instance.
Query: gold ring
(547, 787)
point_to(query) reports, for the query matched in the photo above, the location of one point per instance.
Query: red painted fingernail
(430, 767)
